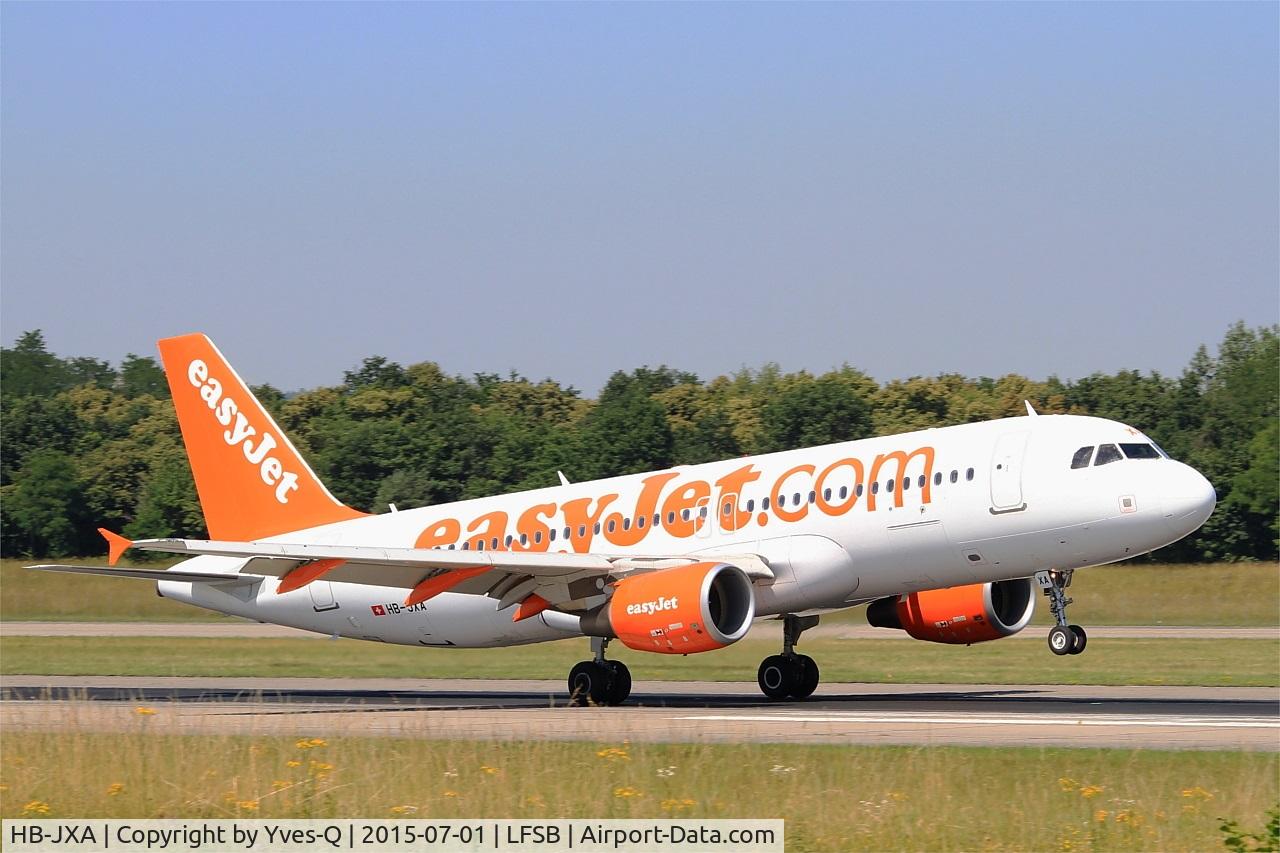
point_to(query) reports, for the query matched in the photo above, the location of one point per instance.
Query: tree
(43, 508)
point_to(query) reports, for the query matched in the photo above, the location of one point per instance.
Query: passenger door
(1006, 472)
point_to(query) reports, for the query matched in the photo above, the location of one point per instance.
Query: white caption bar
(429, 836)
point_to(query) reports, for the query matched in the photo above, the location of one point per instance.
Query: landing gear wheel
(619, 682)
(589, 684)
(1081, 639)
(778, 677)
(809, 675)
(1062, 640)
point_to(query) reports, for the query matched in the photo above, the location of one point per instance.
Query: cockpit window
(1081, 459)
(1139, 451)
(1107, 453)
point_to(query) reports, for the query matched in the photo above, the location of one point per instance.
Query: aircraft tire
(1061, 640)
(588, 684)
(619, 682)
(809, 675)
(777, 677)
(1081, 639)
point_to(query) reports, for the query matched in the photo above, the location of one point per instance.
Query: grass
(1239, 594)
(1236, 663)
(832, 797)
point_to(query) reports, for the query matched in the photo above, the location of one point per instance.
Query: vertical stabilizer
(252, 482)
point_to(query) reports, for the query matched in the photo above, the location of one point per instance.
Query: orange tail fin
(252, 482)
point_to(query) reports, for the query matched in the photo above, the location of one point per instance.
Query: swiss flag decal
(379, 610)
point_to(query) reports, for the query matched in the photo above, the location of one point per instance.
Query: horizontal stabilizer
(153, 574)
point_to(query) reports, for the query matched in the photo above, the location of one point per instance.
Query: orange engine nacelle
(678, 611)
(959, 614)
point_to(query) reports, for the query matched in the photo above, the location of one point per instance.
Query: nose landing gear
(599, 681)
(790, 675)
(1064, 639)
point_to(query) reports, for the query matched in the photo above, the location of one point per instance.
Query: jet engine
(677, 611)
(960, 614)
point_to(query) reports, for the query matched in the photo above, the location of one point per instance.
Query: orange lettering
(578, 518)
(616, 529)
(902, 459)
(852, 498)
(443, 532)
(781, 511)
(495, 529)
(533, 534)
(685, 498)
(731, 486)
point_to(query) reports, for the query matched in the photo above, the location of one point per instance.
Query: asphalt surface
(975, 714)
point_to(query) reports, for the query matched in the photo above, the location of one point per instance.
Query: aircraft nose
(1189, 501)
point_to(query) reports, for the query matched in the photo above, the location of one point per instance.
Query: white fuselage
(982, 502)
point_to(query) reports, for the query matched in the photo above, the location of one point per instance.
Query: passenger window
(568, 533)
(657, 519)
(466, 546)
(524, 539)
(537, 538)
(626, 524)
(671, 518)
(888, 485)
(812, 497)
(782, 500)
(508, 541)
(553, 534)
(702, 513)
(494, 543)
(844, 492)
(685, 515)
(920, 481)
(955, 476)
(795, 499)
(728, 508)
(826, 494)
(1139, 451)
(751, 505)
(582, 530)
(611, 526)
(1107, 453)
(875, 487)
(596, 529)
(1081, 459)
(859, 490)
(968, 475)
(937, 478)
(764, 504)
(906, 483)
(640, 521)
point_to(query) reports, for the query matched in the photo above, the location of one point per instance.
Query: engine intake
(960, 614)
(677, 611)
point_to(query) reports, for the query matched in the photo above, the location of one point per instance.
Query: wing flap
(152, 574)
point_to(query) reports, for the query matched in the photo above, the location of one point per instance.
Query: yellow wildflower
(1067, 783)
(144, 711)
(36, 807)
(451, 794)
(674, 805)
(115, 788)
(293, 763)
(1100, 815)
(1197, 792)
(311, 743)
(486, 769)
(614, 754)
(247, 805)
(1090, 791)
(403, 809)
(626, 792)
(229, 797)
(320, 769)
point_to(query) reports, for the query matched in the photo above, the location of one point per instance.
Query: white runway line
(981, 720)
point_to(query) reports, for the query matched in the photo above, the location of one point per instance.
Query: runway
(975, 714)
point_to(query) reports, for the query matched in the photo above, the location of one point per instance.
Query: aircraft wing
(151, 574)
(560, 580)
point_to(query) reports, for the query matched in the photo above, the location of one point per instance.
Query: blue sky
(570, 189)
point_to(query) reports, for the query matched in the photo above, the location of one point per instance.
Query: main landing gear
(599, 681)
(1064, 639)
(790, 675)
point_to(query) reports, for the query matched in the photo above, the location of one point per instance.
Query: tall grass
(832, 797)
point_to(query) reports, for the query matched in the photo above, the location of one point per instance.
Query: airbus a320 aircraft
(943, 533)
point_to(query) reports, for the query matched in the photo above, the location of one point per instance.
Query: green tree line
(86, 444)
